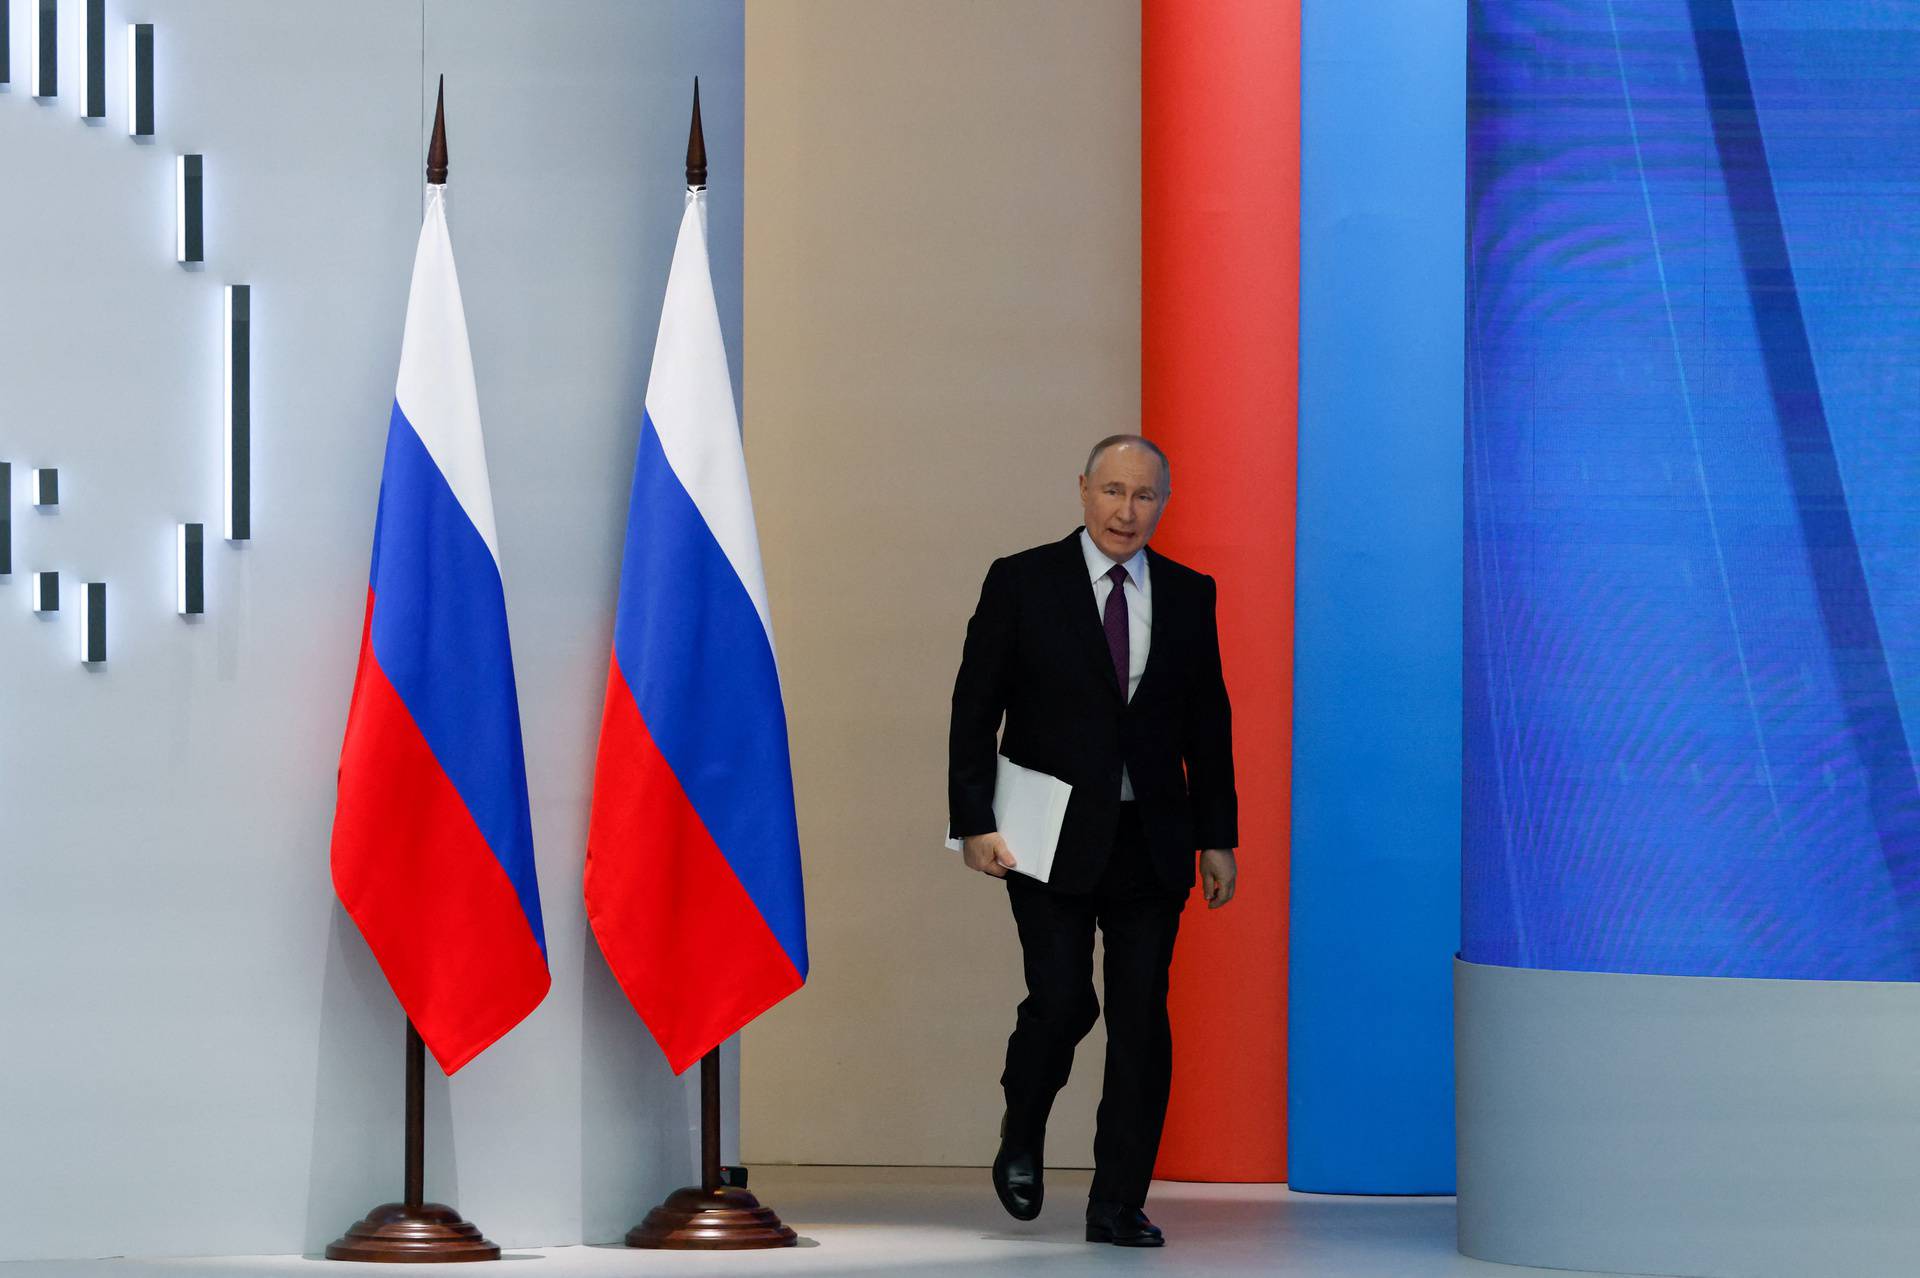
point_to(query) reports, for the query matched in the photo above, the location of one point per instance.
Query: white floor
(926, 1221)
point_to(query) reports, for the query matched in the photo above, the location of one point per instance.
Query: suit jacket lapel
(1159, 633)
(1083, 617)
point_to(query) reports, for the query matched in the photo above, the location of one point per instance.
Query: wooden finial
(437, 148)
(696, 144)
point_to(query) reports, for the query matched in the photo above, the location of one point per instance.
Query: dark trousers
(1138, 918)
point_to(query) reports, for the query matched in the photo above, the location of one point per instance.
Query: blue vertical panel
(1376, 789)
(1693, 593)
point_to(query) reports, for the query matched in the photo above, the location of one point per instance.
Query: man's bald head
(1132, 441)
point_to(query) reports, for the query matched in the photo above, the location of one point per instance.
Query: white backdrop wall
(197, 1053)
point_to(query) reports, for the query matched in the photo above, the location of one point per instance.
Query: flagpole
(718, 1215)
(414, 1229)
(414, 1194)
(710, 1121)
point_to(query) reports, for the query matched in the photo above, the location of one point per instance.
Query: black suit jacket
(1036, 654)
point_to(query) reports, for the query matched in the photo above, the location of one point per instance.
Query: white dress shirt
(1139, 597)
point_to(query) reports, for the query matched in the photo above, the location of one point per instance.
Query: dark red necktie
(1114, 619)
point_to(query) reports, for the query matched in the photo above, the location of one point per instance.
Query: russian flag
(432, 841)
(693, 856)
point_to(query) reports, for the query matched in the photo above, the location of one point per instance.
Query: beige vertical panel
(942, 314)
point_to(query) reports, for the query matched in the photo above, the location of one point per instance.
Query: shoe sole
(1099, 1234)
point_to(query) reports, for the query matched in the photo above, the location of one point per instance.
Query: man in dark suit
(1103, 658)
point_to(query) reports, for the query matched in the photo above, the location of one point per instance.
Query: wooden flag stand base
(712, 1216)
(414, 1231)
(422, 1233)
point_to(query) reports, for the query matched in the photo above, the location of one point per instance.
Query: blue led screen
(1692, 560)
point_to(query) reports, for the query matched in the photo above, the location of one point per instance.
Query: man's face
(1121, 500)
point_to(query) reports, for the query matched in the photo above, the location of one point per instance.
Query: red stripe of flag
(694, 955)
(436, 908)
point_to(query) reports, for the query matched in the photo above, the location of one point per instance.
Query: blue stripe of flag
(692, 648)
(440, 633)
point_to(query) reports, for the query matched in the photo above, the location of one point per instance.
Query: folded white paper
(1028, 808)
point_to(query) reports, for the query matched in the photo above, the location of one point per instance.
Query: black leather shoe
(1122, 1226)
(1017, 1173)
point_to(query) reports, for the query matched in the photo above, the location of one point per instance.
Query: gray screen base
(1688, 1125)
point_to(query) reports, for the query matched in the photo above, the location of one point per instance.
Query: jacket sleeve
(979, 700)
(1207, 741)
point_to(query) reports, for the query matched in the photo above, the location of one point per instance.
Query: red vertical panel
(1220, 217)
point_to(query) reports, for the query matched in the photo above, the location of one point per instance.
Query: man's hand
(988, 854)
(1218, 875)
